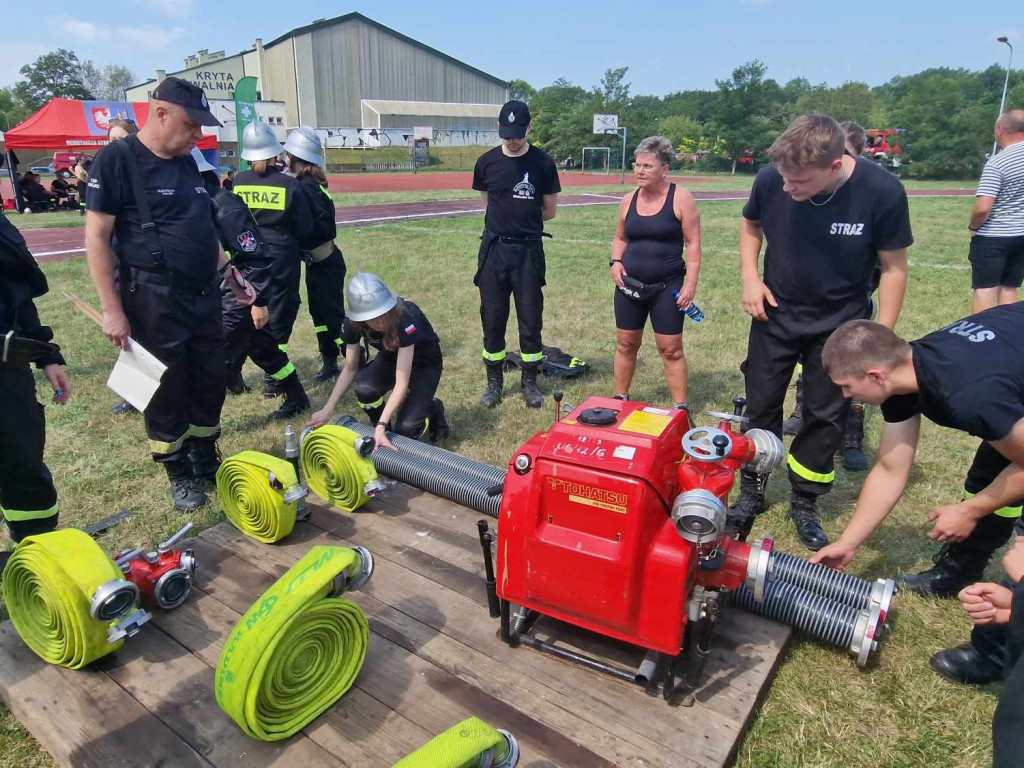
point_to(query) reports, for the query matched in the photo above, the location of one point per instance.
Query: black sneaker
(184, 492)
(124, 407)
(236, 384)
(329, 370)
(295, 400)
(954, 569)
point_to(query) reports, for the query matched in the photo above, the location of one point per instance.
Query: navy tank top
(654, 244)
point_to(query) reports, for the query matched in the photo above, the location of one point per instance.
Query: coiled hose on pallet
(335, 469)
(299, 648)
(259, 493)
(470, 744)
(49, 584)
(423, 473)
(832, 622)
(432, 453)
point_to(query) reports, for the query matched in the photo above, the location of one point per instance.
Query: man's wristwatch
(612, 262)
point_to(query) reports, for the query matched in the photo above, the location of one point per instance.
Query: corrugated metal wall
(279, 79)
(353, 60)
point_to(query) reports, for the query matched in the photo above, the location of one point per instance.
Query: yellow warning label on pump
(645, 423)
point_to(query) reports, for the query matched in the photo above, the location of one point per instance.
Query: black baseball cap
(513, 120)
(174, 90)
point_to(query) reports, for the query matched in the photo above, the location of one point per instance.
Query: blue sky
(667, 46)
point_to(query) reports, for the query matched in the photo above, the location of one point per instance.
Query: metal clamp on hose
(259, 494)
(757, 567)
(470, 744)
(336, 467)
(68, 601)
(297, 650)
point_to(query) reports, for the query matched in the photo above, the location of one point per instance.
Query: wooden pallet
(433, 660)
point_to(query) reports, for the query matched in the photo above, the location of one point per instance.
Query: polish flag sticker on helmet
(410, 329)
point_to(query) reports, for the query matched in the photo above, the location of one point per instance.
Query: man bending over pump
(968, 376)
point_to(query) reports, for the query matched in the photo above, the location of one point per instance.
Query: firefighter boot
(532, 395)
(966, 665)
(795, 421)
(962, 563)
(495, 381)
(748, 506)
(853, 438)
(803, 511)
(204, 456)
(236, 384)
(295, 400)
(271, 387)
(329, 370)
(438, 428)
(184, 492)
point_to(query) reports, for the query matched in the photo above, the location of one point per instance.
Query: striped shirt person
(997, 221)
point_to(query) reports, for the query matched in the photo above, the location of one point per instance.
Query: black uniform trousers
(242, 338)
(795, 334)
(325, 289)
(1008, 723)
(282, 292)
(377, 378)
(27, 496)
(180, 324)
(991, 532)
(511, 267)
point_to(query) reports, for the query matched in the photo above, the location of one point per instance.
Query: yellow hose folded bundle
(48, 584)
(297, 649)
(470, 744)
(333, 468)
(252, 487)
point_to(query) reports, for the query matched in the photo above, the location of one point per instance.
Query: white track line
(60, 253)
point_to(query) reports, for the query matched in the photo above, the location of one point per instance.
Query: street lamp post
(1006, 83)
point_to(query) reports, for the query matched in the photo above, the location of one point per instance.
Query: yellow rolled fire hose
(259, 494)
(334, 469)
(48, 585)
(299, 648)
(470, 744)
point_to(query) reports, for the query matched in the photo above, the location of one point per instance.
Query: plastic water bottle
(694, 312)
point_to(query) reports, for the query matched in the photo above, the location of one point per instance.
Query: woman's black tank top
(654, 244)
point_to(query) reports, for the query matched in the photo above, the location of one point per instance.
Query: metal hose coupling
(769, 451)
(699, 515)
(470, 744)
(757, 567)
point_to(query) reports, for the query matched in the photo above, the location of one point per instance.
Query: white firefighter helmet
(259, 142)
(304, 144)
(367, 297)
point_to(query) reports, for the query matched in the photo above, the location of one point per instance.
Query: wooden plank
(401, 499)
(411, 686)
(358, 730)
(174, 685)
(82, 717)
(552, 705)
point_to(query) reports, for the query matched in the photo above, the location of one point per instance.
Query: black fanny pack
(18, 350)
(641, 291)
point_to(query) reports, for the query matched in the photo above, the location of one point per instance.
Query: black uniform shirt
(325, 227)
(413, 330)
(970, 375)
(279, 204)
(178, 202)
(826, 254)
(515, 188)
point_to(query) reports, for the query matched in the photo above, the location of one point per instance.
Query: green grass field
(821, 710)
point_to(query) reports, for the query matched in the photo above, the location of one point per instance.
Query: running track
(69, 242)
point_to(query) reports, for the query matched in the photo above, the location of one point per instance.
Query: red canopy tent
(71, 124)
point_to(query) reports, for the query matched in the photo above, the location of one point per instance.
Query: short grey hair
(1012, 121)
(656, 145)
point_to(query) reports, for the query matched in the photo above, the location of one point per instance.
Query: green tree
(849, 101)
(57, 74)
(521, 90)
(12, 109)
(749, 113)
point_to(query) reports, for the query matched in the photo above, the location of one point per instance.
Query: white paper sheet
(136, 375)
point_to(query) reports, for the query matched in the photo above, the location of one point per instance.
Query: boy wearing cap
(146, 190)
(519, 186)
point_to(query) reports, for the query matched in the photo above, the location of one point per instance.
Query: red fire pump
(164, 576)
(614, 520)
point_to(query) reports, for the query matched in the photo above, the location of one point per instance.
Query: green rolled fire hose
(334, 469)
(48, 585)
(299, 648)
(259, 494)
(470, 744)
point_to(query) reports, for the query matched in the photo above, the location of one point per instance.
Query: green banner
(245, 112)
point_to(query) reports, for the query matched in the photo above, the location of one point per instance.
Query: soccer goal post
(596, 160)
